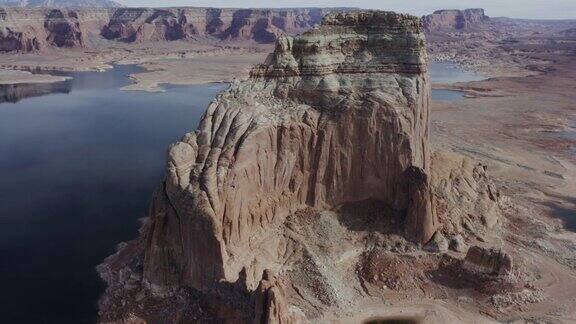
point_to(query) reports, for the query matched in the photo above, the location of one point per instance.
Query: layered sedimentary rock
(262, 26)
(443, 20)
(335, 116)
(28, 30)
(34, 29)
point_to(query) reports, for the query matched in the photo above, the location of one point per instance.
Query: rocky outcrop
(262, 26)
(270, 304)
(489, 261)
(63, 29)
(466, 200)
(446, 20)
(337, 115)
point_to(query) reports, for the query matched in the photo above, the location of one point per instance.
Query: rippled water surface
(77, 171)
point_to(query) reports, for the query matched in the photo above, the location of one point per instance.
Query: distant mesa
(37, 29)
(257, 25)
(454, 19)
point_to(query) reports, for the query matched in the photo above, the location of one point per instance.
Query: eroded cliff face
(29, 30)
(262, 26)
(335, 116)
(443, 20)
(36, 29)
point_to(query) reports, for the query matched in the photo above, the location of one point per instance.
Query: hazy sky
(544, 9)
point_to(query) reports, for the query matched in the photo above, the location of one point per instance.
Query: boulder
(458, 244)
(489, 260)
(438, 243)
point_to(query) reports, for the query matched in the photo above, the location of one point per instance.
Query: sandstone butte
(338, 116)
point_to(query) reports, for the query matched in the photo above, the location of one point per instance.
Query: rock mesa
(335, 116)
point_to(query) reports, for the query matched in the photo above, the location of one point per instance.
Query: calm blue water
(446, 95)
(77, 171)
(449, 73)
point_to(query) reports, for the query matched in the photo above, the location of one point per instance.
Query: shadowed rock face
(335, 116)
(454, 19)
(63, 29)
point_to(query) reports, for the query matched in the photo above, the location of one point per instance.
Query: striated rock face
(262, 26)
(34, 29)
(28, 30)
(454, 19)
(335, 116)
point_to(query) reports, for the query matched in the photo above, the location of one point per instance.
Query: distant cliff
(60, 3)
(454, 19)
(262, 26)
(35, 29)
(28, 30)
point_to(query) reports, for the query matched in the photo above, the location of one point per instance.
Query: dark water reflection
(77, 171)
(16, 92)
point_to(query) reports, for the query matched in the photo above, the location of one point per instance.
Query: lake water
(77, 171)
(447, 95)
(449, 73)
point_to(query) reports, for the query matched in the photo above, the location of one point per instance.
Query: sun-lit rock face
(337, 115)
